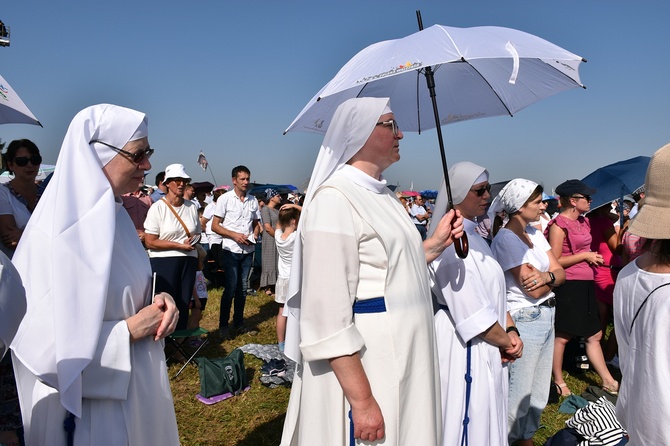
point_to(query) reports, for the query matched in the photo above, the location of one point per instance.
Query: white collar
(361, 178)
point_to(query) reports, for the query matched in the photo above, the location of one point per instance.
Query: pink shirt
(577, 240)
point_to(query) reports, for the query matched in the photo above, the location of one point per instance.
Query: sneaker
(242, 330)
(614, 362)
(273, 367)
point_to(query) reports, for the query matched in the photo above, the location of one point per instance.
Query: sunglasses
(585, 197)
(136, 157)
(393, 124)
(22, 161)
(482, 190)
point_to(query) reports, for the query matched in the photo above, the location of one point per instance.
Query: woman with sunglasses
(474, 331)
(19, 196)
(569, 236)
(172, 228)
(89, 354)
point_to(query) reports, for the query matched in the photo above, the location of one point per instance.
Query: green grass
(256, 417)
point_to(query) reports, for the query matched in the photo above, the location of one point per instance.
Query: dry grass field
(256, 417)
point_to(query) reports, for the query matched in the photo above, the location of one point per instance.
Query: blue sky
(227, 77)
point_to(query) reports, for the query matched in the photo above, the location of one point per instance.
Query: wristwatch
(552, 277)
(514, 329)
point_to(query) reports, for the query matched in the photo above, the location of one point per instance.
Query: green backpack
(220, 376)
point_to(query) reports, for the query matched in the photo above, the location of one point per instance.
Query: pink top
(599, 225)
(577, 240)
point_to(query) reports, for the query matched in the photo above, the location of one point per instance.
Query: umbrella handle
(462, 246)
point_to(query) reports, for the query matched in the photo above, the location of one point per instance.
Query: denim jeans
(530, 376)
(236, 269)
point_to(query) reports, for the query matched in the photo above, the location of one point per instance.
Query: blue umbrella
(616, 180)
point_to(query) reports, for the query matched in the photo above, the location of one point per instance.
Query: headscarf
(270, 193)
(462, 176)
(350, 128)
(65, 253)
(512, 197)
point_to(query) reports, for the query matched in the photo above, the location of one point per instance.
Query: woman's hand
(11, 237)
(368, 420)
(158, 319)
(593, 258)
(514, 352)
(448, 229)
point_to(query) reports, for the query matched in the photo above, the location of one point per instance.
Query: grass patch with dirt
(256, 417)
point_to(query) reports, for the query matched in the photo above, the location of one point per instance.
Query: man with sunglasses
(420, 216)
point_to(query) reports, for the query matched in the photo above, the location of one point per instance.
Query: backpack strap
(637, 313)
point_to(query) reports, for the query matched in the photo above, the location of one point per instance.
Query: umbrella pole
(461, 245)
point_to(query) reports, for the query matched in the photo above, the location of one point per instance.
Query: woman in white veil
(88, 347)
(360, 310)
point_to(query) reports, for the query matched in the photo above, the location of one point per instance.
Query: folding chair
(179, 342)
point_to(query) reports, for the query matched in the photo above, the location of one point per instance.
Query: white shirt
(162, 222)
(208, 213)
(285, 250)
(510, 251)
(417, 210)
(238, 216)
(9, 205)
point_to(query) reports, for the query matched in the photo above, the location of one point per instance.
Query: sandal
(612, 389)
(563, 389)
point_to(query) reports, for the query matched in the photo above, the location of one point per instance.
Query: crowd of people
(398, 338)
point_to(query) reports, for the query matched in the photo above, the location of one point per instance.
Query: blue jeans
(530, 376)
(236, 269)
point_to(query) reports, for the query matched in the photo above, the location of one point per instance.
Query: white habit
(360, 244)
(474, 290)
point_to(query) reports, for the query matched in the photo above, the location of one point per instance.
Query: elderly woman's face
(123, 174)
(474, 204)
(383, 146)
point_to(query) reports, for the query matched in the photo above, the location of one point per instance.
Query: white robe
(126, 391)
(643, 406)
(474, 290)
(360, 243)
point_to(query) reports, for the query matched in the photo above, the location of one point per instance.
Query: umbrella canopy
(461, 73)
(259, 190)
(616, 180)
(429, 194)
(410, 193)
(12, 108)
(479, 72)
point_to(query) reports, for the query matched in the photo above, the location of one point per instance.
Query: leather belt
(551, 303)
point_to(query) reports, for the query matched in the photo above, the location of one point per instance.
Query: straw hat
(651, 221)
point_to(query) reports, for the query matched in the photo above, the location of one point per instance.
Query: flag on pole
(202, 161)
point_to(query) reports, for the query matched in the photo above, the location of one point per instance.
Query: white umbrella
(479, 72)
(12, 108)
(469, 73)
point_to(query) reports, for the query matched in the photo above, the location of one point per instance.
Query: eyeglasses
(22, 161)
(391, 123)
(585, 197)
(136, 157)
(482, 190)
(184, 181)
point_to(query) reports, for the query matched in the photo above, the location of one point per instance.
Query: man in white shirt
(236, 220)
(420, 216)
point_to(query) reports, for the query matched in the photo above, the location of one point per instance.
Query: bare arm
(151, 241)
(158, 319)
(556, 237)
(9, 232)
(366, 414)
(536, 283)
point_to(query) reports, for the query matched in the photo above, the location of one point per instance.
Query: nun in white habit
(90, 345)
(473, 308)
(356, 243)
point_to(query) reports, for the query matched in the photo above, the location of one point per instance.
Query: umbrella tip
(584, 60)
